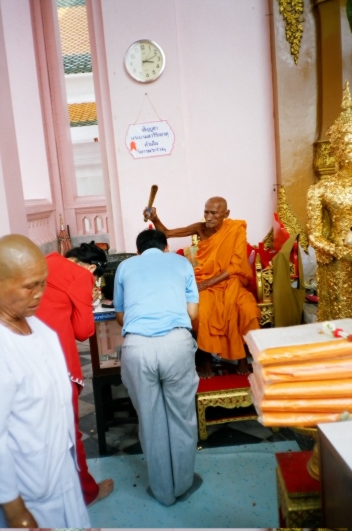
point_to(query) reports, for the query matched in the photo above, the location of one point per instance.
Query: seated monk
(227, 311)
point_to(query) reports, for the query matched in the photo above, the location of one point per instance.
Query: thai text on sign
(151, 139)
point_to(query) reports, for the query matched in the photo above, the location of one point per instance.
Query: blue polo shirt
(153, 289)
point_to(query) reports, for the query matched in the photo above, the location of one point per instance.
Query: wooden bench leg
(202, 425)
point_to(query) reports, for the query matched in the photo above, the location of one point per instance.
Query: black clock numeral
(149, 46)
(154, 52)
(159, 57)
(153, 72)
(147, 75)
(132, 56)
(136, 50)
(131, 63)
(157, 66)
(142, 46)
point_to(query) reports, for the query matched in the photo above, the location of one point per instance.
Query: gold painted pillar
(329, 65)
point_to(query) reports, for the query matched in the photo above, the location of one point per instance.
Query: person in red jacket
(66, 307)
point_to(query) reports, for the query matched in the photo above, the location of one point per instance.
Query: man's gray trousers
(160, 376)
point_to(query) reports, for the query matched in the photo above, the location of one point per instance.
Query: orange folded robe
(341, 388)
(312, 405)
(314, 351)
(227, 310)
(299, 419)
(330, 369)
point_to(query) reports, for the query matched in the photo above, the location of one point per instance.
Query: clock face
(145, 61)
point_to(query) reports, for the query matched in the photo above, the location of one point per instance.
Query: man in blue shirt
(155, 298)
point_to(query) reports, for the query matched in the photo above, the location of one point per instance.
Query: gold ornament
(269, 239)
(291, 223)
(323, 159)
(330, 219)
(292, 11)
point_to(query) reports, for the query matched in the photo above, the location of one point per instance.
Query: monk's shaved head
(219, 201)
(215, 211)
(18, 254)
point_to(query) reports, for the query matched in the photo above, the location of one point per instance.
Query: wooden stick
(152, 195)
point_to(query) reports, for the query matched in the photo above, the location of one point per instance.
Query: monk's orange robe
(227, 311)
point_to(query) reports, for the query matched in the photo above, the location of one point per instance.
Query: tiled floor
(238, 491)
(123, 439)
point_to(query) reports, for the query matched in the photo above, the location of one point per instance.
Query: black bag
(114, 260)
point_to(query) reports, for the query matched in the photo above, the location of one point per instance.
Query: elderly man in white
(39, 485)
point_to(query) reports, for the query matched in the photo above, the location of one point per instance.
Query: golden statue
(330, 222)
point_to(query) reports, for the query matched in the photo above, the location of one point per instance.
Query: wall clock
(145, 61)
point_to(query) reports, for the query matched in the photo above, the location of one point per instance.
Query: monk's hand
(150, 213)
(203, 285)
(17, 514)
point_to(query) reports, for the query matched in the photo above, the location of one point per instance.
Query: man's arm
(119, 297)
(119, 318)
(192, 310)
(195, 228)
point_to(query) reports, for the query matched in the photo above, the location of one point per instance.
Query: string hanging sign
(150, 139)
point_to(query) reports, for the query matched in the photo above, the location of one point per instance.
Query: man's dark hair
(149, 239)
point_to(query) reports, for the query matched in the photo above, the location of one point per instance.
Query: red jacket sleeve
(80, 293)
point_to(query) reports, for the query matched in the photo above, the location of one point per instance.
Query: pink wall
(20, 53)
(216, 93)
(12, 208)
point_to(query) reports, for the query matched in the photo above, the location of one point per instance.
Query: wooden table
(104, 346)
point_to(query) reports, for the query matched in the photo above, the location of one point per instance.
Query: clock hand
(146, 61)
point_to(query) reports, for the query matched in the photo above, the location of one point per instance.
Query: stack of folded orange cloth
(301, 376)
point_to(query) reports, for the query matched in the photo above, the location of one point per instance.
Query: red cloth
(90, 488)
(298, 481)
(66, 307)
(221, 383)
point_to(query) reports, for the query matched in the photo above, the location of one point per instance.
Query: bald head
(18, 254)
(215, 211)
(220, 201)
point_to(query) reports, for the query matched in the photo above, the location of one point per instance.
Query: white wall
(79, 87)
(25, 99)
(216, 93)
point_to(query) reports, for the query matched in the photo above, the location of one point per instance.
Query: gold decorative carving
(292, 12)
(268, 278)
(323, 159)
(291, 223)
(264, 280)
(269, 240)
(229, 398)
(267, 314)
